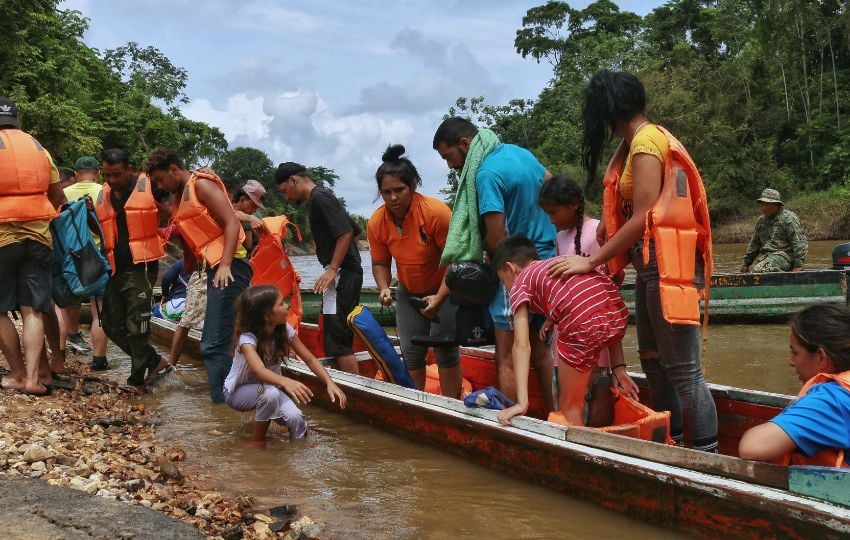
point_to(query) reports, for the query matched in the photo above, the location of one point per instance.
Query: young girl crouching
(255, 381)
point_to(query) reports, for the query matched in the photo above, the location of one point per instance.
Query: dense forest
(77, 100)
(757, 90)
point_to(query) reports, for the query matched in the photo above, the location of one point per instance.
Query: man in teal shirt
(507, 184)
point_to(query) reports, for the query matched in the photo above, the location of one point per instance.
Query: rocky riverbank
(93, 438)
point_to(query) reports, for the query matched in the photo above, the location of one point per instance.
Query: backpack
(474, 326)
(80, 269)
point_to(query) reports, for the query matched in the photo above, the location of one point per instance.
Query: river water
(365, 483)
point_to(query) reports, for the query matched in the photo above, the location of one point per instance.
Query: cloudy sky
(333, 82)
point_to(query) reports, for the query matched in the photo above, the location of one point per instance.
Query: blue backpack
(80, 269)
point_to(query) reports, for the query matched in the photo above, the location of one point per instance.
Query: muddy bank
(93, 441)
(32, 509)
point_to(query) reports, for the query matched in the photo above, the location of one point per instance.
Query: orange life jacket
(272, 266)
(828, 457)
(678, 223)
(142, 223)
(24, 178)
(199, 230)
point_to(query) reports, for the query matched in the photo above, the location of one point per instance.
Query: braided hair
(563, 190)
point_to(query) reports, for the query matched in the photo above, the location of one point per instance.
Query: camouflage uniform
(778, 244)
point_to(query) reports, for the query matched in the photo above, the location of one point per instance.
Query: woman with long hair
(637, 199)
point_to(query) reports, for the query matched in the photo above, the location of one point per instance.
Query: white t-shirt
(240, 373)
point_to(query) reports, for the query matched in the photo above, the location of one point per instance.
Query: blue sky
(333, 82)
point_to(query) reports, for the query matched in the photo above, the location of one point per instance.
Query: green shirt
(780, 234)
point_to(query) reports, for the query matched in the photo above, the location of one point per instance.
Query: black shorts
(337, 336)
(25, 275)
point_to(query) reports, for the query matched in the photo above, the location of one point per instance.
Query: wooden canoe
(735, 298)
(694, 492)
(766, 298)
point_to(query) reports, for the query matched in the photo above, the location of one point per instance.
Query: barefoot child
(586, 309)
(255, 380)
(563, 201)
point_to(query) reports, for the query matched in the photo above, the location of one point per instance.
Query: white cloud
(242, 116)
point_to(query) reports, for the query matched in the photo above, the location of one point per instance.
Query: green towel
(463, 242)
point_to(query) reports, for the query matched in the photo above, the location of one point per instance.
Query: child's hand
(299, 392)
(544, 330)
(569, 264)
(504, 417)
(337, 396)
(624, 384)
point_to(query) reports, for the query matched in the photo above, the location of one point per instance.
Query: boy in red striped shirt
(587, 310)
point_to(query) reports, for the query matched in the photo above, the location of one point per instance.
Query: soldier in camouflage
(778, 243)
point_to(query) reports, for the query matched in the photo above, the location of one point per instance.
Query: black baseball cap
(287, 169)
(8, 113)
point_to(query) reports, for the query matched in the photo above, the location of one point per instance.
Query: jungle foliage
(77, 100)
(757, 90)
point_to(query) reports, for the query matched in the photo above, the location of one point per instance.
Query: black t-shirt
(328, 221)
(123, 256)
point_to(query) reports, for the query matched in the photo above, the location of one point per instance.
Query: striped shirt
(587, 309)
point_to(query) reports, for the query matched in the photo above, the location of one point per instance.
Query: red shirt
(587, 309)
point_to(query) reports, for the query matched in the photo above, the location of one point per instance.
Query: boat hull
(694, 492)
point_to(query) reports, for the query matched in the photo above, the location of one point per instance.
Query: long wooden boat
(694, 492)
(735, 298)
(767, 298)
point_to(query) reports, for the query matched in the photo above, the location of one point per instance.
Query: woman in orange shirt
(412, 229)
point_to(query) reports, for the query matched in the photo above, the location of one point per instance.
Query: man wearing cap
(778, 243)
(336, 250)
(30, 192)
(247, 200)
(86, 183)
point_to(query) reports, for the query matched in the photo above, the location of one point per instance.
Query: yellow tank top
(647, 140)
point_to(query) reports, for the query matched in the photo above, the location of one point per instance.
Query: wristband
(619, 365)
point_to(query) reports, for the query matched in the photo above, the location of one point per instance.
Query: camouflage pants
(771, 262)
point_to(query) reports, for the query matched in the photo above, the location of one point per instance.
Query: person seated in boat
(411, 228)
(255, 381)
(778, 243)
(587, 311)
(563, 201)
(815, 429)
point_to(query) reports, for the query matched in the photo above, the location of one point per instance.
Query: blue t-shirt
(509, 181)
(818, 420)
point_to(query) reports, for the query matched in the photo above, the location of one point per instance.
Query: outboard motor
(841, 257)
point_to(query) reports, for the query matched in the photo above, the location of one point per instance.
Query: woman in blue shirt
(815, 429)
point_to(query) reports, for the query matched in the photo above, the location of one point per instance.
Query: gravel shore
(102, 472)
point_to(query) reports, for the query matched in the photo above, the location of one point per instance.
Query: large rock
(36, 452)
(84, 484)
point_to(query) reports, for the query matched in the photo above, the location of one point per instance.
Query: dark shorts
(337, 336)
(25, 275)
